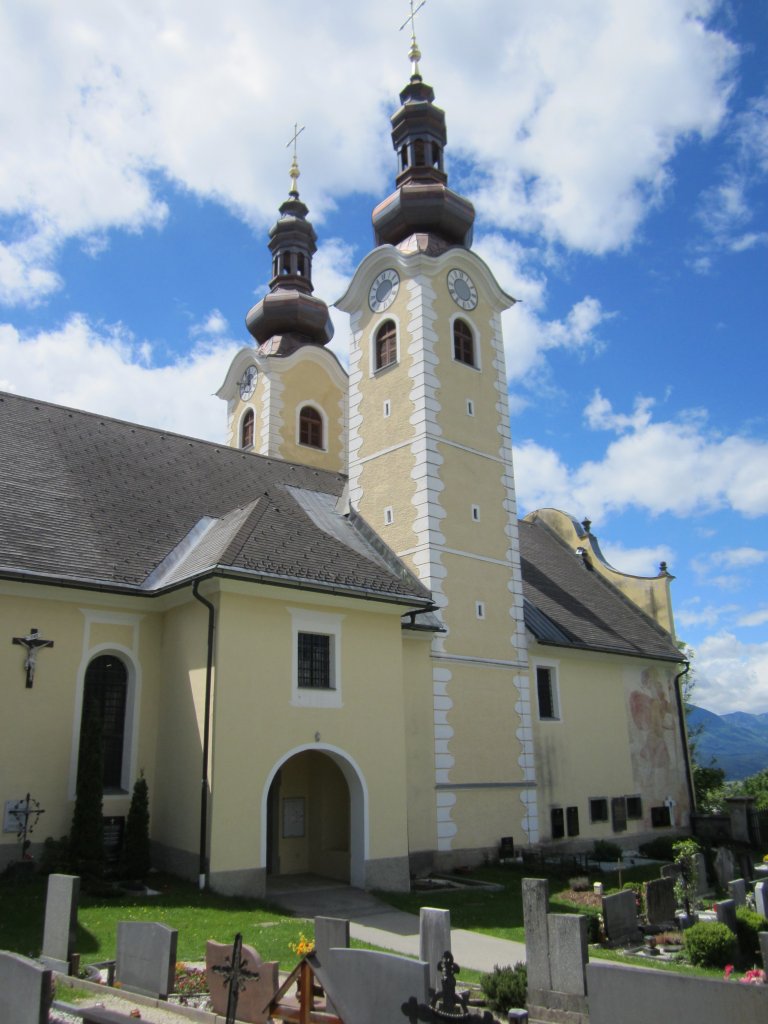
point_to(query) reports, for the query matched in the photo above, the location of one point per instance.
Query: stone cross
(236, 976)
(33, 643)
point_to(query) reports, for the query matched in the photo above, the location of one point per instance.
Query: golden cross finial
(414, 53)
(294, 171)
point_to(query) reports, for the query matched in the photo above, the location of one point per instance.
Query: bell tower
(430, 467)
(287, 398)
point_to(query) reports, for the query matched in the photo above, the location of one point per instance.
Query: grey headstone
(701, 874)
(737, 890)
(670, 871)
(330, 933)
(255, 993)
(726, 913)
(761, 898)
(620, 916)
(724, 866)
(568, 953)
(26, 990)
(763, 937)
(434, 940)
(146, 957)
(660, 903)
(60, 928)
(368, 987)
(535, 907)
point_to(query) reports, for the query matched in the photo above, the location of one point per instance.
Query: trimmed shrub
(605, 850)
(135, 860)
(86, 837)
(748, 924)
(506, 988)
(709, 944)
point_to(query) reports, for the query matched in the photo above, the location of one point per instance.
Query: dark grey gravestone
(434, 940)
(620, 916)
(368, 987)
(670, 871)
(660, 903)
(726, 913)
(535, 906)
(568, 953)
(701, 874)
(725, 868)
(60, 928)
(330, 933)
(763, 937)
(146, 957)
(26, 990)
(737, 890)
(761, 898)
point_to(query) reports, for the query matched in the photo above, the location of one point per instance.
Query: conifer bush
(135, 861)
(86, 840)
(506, 988)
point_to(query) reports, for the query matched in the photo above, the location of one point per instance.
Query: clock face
(463, 291)
(248, 383)
(383, 290)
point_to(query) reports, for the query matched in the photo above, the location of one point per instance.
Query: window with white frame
(547, 692)
(316, 643)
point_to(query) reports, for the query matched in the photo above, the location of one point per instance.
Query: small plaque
(11, 823)
(293, 817)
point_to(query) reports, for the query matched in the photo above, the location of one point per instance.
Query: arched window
(463, 343)
(246, 430)
(310, 427)
(105, 697)
(386, 344)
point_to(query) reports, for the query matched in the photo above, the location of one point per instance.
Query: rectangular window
(558, 822)
(660, 817)
(572, 819)
(634, 807)
(480, 609)
(546, 689)
(619, 814)
(598, 809)
(475, 513)
(389, 516)
(387, 408)
(470, 407)
(314, 664)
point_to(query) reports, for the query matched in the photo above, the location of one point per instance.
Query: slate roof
(567, 604)
(94, 501)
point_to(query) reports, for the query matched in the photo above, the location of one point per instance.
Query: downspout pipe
(684, 733)
(203, 864)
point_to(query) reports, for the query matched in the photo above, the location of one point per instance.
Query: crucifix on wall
(33, 643)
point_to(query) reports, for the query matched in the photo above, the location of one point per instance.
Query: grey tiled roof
(85, 498)
(568, 604)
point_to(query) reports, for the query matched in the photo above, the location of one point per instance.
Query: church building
(328, 643)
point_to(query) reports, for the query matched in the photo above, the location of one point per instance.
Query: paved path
(376, 922)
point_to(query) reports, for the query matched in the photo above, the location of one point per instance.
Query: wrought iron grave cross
(27, 814)
(236, 976)
(33, 643)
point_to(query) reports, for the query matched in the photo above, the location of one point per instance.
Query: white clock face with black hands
(462, 289)
(383, 290)
(248, 383)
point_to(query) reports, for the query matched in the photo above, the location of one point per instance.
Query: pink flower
(754, 977)
(728, 971)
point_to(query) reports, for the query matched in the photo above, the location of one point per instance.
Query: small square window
(558, 822)
(572, 820)
(634, 807)
(546, 690)
(598, 809)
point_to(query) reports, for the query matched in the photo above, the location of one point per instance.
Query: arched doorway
(314, 813)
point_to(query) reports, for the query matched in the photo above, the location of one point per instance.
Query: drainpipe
(203, 868)
(684, 734)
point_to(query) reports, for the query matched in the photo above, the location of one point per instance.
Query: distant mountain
(738, 741)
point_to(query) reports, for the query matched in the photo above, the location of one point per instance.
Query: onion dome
(290, 315)
(422, 204)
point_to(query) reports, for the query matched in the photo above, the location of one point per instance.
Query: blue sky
(617, 155)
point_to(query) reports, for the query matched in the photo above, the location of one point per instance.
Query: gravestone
(660, 902)
(26, 990)
(368, 987)
(763, 937)
(725, 868)
(330, 933)
(255, 993)
(737, 890)
(670, 871)
(535, 906)
(726, 913)
(60, 928)
(434, 940)
(761, 898)
(703, 886)
(620, 916)
(146, 957)
(568, 953)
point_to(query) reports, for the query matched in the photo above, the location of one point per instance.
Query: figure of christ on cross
(33, 643)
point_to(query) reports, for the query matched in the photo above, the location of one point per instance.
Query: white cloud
(756, 618)
(731, 675)
(638, 561)
(693, 613)
(110, 101)
(739, 558)
(675, 466)
(106, 370)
